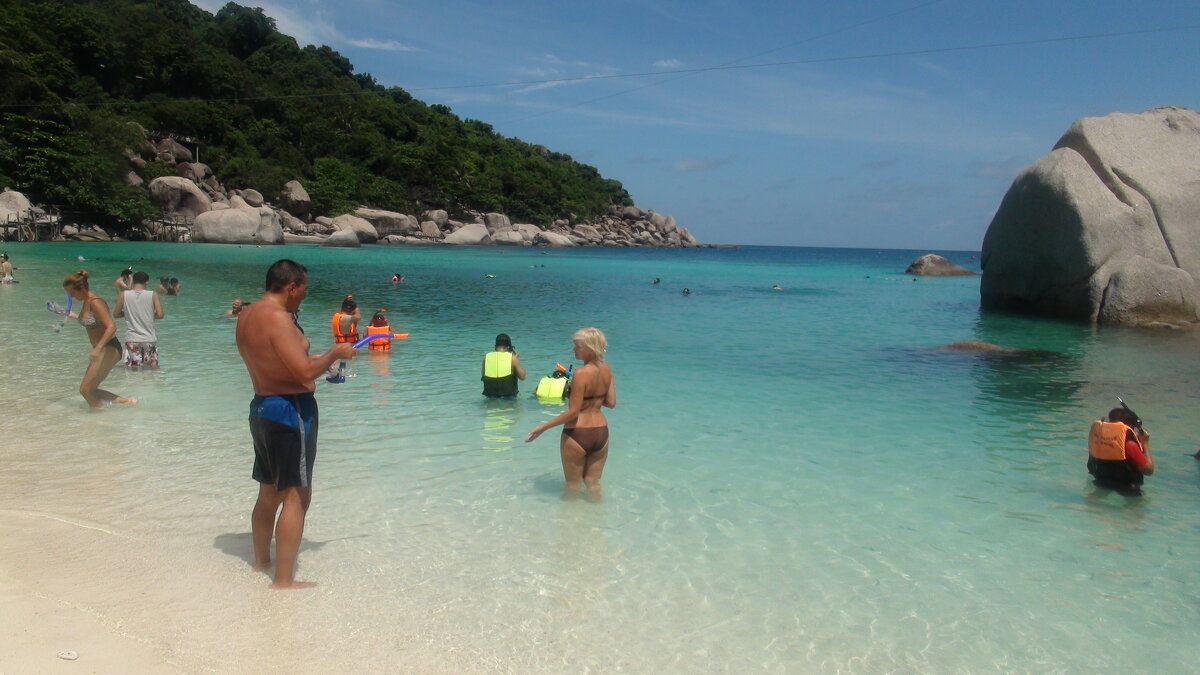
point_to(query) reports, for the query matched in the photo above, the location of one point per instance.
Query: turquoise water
(798, 482)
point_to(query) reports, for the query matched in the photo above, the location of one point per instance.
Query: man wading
(283, 415)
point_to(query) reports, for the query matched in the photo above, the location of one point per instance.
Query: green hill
(77, 74)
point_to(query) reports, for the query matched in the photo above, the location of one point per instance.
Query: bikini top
(87, 320)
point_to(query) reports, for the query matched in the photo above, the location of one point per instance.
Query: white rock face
(389, 222)
(496, 221)
(471, 234)
(508, 238)
(346, 238)
(438, 216)
(528, 231)
(553, 239)
(1105, 228)
(178, 196)
(245, 225)
(430, 229)
(934, 265)
(366, 232)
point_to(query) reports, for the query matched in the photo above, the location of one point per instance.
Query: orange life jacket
(338, 335)
(1106, 440)
(382, 344)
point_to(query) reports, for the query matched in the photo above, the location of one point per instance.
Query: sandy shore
(126, 603)
(45, 613)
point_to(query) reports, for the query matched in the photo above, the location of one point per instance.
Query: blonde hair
(592, 339)
(77, 280)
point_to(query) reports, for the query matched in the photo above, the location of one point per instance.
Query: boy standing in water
(1119, 452)
(283, 415)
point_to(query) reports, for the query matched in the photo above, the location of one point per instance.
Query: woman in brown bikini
(584, 442)
(102, 333)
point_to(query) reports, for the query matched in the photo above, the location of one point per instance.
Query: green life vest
(552, 388)
(498, 376)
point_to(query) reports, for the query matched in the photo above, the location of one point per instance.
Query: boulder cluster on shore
(196, 207)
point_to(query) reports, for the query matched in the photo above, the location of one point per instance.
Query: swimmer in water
(776, 287)
(687, 291)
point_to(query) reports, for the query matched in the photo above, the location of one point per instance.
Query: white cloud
(667, 64)
(389, 45)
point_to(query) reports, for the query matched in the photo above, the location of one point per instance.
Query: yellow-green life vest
(498, 376)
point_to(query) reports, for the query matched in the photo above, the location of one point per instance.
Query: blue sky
(903, 151)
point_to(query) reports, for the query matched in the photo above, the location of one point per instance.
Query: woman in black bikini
(584, 442)
(102, 332)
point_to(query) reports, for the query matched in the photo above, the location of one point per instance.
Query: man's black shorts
(284, 429)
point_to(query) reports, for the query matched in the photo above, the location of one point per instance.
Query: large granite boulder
(508, 238)
(429, 228)
(934, 265)
(1105, 228)
(366, 232)
(295, 200)
(346, 238)
(438, 216)
(178, 196)
(14, 206)
(471, 234)
(251, 197)
(528, 230)
(175, 149)
(389, 222)
(496, 221)
(238, 225)
(555, 239)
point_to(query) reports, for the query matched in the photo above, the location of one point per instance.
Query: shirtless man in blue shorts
(283, 415)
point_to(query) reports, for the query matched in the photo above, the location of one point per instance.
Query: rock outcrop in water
(934, 265)
(1105, 228)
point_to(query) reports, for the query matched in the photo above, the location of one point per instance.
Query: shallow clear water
(798, 481)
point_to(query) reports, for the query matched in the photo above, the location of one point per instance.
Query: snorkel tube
(340, 376)
(568, 371)
(65, 312)
(1137, 420)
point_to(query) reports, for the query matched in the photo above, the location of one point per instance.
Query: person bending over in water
(283, 415)
(1119, 452)
(584, 442)
(102, 333)
(501, 369)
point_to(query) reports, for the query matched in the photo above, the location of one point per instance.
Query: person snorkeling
(379, 326)
(1119, 451)
(501, 369)
(345, 322)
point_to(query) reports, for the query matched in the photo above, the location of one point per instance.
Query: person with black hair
(501, 369)
(1119, 451)
(140, 307)
(173, 286)
(6, 269)
(124, 281)
(283, 415)
(345, 322)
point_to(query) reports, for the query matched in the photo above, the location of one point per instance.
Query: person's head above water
(140, 277)
(1122, 415)
(284, 272)
(164, 280)
(349, 305)
(378, 319)
(592, 340)
(502, 340)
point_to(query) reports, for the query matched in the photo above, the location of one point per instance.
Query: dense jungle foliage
(74, 75)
